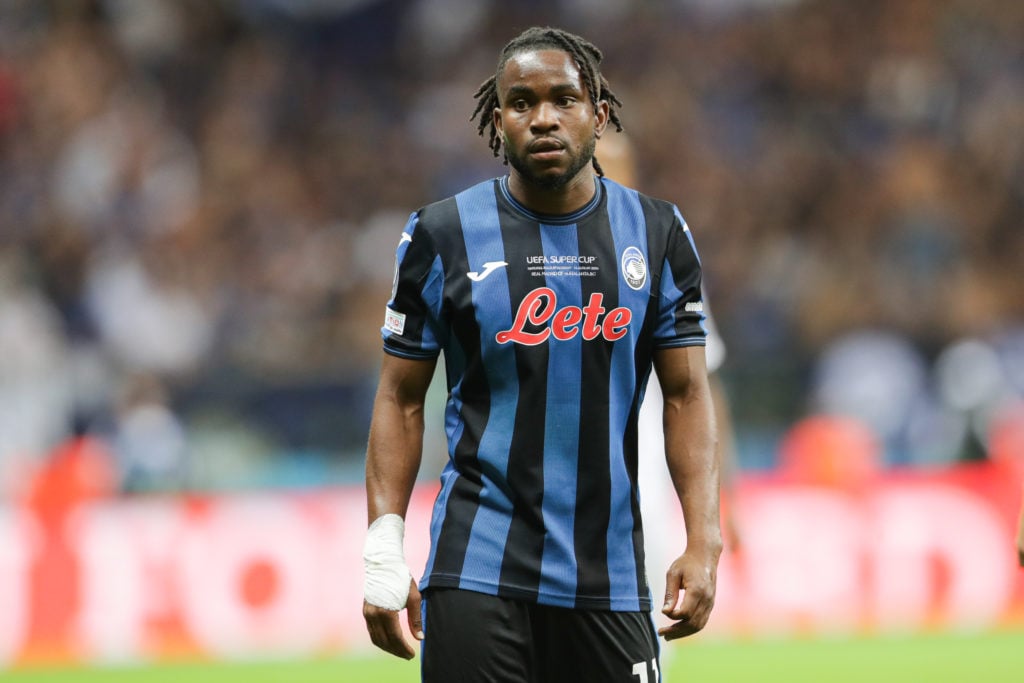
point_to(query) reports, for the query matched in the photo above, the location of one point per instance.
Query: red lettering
(591, 312)
(565, 322)
(616, 324)
(540, 307)
(531, 310)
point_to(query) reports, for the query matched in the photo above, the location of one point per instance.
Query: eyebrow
(522, 90)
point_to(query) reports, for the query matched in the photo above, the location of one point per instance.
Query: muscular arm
(690, 444)
(396, 435)
(392, 463)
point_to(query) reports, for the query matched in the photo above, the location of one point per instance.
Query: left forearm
(690, 450)
(693, 464)
(689, 425)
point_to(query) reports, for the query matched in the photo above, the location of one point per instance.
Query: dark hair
(587, 57)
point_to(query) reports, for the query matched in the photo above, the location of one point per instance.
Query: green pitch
(987, 658)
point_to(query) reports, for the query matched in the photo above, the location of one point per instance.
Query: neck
(553, 201)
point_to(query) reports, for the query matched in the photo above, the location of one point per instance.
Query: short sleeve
(412, 317)
(680, 303)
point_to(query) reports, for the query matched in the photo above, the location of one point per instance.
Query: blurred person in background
(536, 569)
(148, 439)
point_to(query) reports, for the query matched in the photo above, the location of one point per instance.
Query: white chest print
(489, 268)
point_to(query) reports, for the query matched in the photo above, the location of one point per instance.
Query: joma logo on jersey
(540, 307)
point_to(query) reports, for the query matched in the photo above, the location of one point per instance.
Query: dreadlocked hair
(586, 55)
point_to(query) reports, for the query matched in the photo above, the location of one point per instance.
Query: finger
(672, 593)
(682, 607)
(415, 613)
(394, 642)
(379, 634)
(692, 618)
(695, 612)
(679, 629)
(672, 599)
(696, 598)
(386, 632)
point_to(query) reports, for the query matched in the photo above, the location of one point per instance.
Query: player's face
(548, 125)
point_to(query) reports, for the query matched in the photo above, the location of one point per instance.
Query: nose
(545, 118)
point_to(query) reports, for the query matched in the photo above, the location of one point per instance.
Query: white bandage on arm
(387, 575)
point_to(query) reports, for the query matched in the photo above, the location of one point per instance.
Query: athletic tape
(387, 575)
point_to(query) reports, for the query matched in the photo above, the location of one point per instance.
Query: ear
(600, 117)
(496, 117)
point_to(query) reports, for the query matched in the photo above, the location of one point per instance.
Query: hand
(385, 629)
(689, 595)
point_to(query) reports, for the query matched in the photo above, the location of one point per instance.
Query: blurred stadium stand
(199, 202)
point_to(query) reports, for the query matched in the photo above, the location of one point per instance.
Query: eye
(566, 101)
(520, 105)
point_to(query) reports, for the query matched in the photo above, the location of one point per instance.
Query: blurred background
(200, 200)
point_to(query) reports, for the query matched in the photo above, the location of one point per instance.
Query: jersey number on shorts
(640, 669)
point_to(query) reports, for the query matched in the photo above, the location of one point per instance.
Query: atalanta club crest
(634, 267)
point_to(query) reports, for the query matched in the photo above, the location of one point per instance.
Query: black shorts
(477, 638)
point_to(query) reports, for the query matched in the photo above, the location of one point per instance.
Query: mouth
(546, 148)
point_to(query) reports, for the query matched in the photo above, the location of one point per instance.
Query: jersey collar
(554, 219)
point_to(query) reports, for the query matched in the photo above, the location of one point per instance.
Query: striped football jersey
(547, 325)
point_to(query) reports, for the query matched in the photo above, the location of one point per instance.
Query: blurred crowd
(200, 200)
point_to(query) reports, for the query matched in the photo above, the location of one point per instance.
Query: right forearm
(392, 462)
(396, 435)
(393, 456)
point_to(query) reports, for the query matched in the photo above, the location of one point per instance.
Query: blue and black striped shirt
(548, 325)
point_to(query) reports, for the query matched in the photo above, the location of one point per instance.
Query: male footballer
(552, 292)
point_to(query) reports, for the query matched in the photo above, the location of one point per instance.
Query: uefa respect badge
(394, 321)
